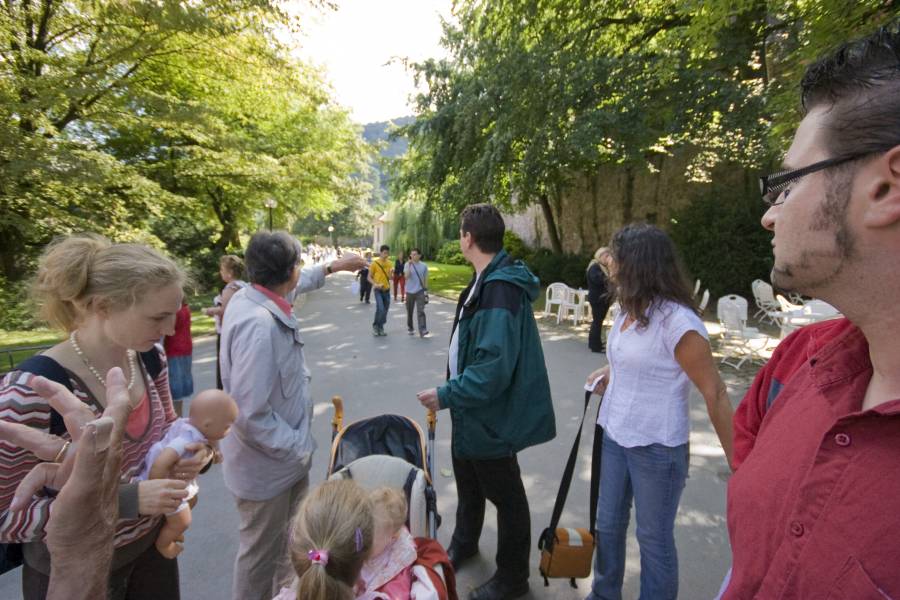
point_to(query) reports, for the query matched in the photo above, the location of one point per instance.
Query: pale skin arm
(695, 357)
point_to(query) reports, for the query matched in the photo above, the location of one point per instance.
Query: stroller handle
(431, 419)
(337, 420)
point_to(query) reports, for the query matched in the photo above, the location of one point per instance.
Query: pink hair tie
(318, 557)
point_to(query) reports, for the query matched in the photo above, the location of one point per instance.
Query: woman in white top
(657, 348)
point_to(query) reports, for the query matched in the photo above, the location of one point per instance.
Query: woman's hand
(601, 372)
(196, 458)
(160, 496)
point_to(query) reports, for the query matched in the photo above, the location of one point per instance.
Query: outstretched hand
(349, 262)
(84, 514)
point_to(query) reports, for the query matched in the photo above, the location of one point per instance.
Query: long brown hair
(648, 271)
(336, 517)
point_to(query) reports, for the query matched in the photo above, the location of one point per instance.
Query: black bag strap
(52, 370)
(412, 266)
(547, 536)
(378, 264)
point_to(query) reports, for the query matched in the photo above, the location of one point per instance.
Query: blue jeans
(382, 303)
(654, 477)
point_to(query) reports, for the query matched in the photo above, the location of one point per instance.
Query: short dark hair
(485, 223)
(647, 271)
(384, 247)
(860, 84)
(270, 258)
(416, 250)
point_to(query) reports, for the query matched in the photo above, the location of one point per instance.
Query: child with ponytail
(331, 536)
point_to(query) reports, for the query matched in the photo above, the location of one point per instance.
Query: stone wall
(592, 210)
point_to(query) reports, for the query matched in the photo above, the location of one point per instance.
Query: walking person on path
(657, 347)
(365, 286)
(269, 451)
(416, 274)
(399, 280)
(599, 297)
(380, 272)
(812, 505)
(498, 394)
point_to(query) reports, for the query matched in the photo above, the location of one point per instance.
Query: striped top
(20, 404)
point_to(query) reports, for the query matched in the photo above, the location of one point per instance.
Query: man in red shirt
(813, 503)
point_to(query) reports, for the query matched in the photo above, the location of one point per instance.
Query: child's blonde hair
(389, 505)
(76, 270)
(336, 518)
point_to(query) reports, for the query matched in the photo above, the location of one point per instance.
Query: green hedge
(722, 242)
(450, 254)
(16, 310)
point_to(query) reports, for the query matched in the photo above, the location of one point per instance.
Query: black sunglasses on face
(772, 186)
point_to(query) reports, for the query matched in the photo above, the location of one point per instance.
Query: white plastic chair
(556, 296)
(820, 310)
(792, 316)
(696, 288)
(764, 296)
(740, 343)
(574, 303)
(704, 301)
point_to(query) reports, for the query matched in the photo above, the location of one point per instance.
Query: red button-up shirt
(814, 504)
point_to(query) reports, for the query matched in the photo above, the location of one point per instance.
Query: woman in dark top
(399, 280)
(598, 296)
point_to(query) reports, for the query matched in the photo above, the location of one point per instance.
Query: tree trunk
(628, 197)
(555, 244)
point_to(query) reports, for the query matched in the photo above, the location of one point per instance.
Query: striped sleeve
(20, 404)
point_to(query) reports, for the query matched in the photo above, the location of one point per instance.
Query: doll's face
(213, 412)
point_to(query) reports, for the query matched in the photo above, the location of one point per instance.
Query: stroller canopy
(393, 435)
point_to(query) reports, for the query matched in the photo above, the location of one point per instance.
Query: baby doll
(388, 571)
(212, 412)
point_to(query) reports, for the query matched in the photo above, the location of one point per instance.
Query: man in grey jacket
(269, 451)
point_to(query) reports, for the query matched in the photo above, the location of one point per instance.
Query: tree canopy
(538, 93)
(165, 121)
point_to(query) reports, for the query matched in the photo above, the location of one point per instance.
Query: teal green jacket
(500, 400)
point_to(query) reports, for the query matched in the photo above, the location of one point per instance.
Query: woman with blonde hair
(330, 539)
(115, 302)
(598, 296)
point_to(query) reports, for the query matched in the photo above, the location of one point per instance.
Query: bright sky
(356, 45)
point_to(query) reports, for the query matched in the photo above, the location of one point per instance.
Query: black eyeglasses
(772, 186)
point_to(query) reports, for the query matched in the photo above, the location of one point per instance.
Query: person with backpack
(115, 302)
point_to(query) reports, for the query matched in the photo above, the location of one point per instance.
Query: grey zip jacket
(270, 446)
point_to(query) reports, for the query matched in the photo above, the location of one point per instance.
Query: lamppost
(270, 204)
(331, 233)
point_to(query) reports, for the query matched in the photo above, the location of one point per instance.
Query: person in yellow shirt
(380, 272)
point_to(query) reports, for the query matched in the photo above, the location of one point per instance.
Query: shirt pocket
(853, 583)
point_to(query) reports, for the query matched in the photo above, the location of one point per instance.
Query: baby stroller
(391, 450)
(388, 450)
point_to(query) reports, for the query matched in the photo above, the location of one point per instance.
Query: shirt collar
(279, 301)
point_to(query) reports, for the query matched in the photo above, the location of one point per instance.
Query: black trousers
(149, 577)
(365, 290)
(595, 336)
(500, 481)
(218, 368)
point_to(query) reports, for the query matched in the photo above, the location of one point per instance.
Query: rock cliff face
(593, 208)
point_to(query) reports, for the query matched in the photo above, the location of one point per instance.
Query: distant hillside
(377, 133)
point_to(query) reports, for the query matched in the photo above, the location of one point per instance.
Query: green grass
(448, 281)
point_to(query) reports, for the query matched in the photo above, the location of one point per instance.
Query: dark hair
(485, 224)
(860, 83)
(416, 250)
(647, 271)
(384, 247)
(270, 258)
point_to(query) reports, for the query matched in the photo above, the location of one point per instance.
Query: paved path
(379, 375)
